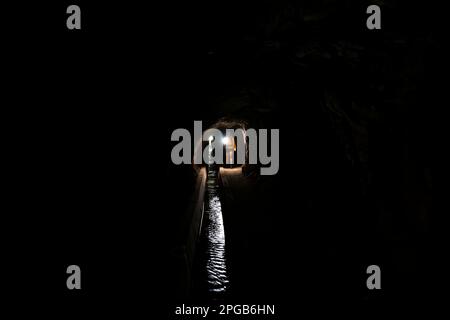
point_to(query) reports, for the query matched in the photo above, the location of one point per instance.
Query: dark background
(88, 117)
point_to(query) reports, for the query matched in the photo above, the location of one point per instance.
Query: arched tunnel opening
(211, 279)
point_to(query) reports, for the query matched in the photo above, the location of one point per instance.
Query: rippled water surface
(216, 270)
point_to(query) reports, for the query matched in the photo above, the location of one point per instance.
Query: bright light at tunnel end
(251, 148)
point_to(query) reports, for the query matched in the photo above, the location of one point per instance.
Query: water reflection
(215, 238)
